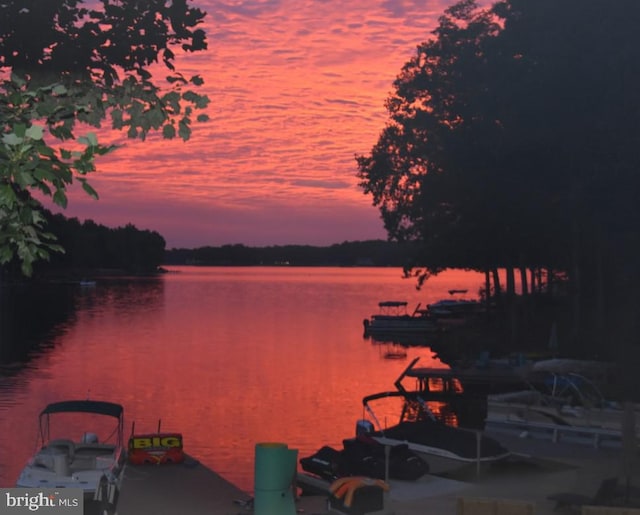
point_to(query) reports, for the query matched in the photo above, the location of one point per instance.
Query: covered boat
(364, 456)
(88, 462)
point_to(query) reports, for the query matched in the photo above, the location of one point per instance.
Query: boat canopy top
(392, 304)
(84, 406)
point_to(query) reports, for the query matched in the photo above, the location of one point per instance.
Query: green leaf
(56, 248)
(17, 80)
(61, 132)
(11, 139)
(7, 195)
(93, 140)
(90, 139)
(169, 131)
(202, 101)
(20, 129)
(35, 132)
(60, 198)
(103, 150)
(46, 151)
(59, 89)
(197, 80)
(116, 119)
(176, 78)
(172, 99)
(23, 178)
(42, 186)
(156, 117)
(26, 267)
(203, 118)
(44, 173)
(183, 130)
(6, 254)
(190, 96)
(37, 217)
(88, 189)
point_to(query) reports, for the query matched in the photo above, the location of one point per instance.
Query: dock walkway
(192, 488)
(188, 488)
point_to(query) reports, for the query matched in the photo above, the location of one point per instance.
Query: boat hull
(442, 461)
(89, 471)
(401, 323)
(393, 319)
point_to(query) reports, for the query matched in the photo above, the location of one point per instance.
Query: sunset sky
(297, 88)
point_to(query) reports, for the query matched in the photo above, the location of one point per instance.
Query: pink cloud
(297, 89)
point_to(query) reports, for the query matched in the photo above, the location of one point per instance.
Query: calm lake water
(229, 357)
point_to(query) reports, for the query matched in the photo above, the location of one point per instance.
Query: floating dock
(187, 487)
(193, 488)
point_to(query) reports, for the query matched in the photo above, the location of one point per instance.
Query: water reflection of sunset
(296, 89)
(226, 356)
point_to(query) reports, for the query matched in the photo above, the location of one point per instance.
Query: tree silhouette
(512, 143)
(64, 64)
(93, 248)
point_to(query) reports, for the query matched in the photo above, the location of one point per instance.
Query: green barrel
(275, 470)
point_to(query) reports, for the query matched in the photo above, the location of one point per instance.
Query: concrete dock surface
(177, 489)
(539, 469)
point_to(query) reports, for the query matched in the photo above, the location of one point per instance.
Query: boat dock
(522, 486)
(187, 487)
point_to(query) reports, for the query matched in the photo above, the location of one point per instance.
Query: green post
(275, 471)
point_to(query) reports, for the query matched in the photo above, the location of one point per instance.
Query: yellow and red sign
(156, 448)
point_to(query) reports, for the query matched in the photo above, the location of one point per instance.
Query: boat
(596, 371)
(447, 449)
(394, 318)
(455, 311)
(560, 405)
(95, 466)
(440, 439)
(524, 398)
(364, 456)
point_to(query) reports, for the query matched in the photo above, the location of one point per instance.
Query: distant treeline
(93, 248)
(354, 253)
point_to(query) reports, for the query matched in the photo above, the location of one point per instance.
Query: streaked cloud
(297, 88)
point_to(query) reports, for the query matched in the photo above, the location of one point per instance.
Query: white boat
(595, 371)
(394, 318)
(560, 405)
(87, 463)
